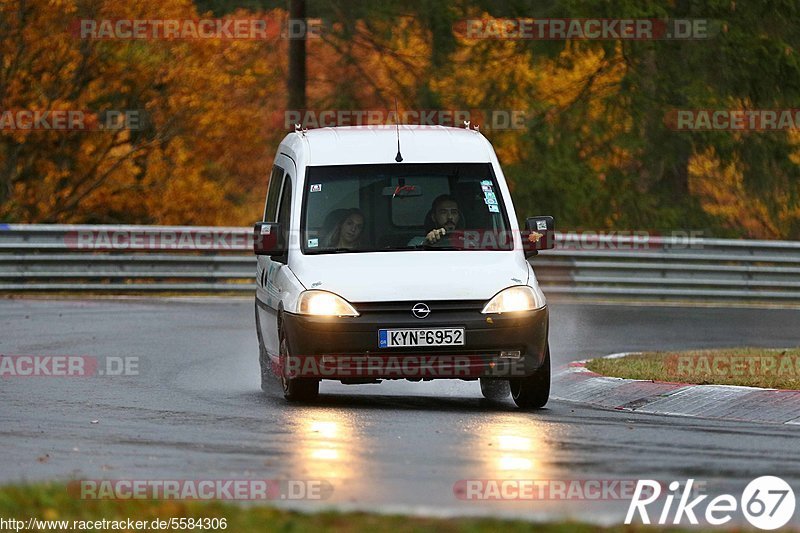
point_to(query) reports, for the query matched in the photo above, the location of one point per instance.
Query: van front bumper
(496, 345)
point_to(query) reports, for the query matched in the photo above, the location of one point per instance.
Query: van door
(269, 289)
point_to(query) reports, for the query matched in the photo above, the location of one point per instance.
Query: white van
(395, 253)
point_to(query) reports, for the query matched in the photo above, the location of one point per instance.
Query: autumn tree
(200, 155)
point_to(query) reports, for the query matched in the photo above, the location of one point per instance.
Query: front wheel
(494, 389)
(532, 392)
(295, 389)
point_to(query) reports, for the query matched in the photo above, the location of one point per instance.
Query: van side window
(271, 206)
(286, 204)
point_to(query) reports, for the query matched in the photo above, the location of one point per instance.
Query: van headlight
(324, 303)
(516, 298)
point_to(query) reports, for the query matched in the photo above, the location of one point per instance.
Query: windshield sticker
(490, 195)
(313, 243)
(316, 187)
(486, 188)
(486, 182)
(266, 229)
(541, 224)
(490, 201)
(494, 209)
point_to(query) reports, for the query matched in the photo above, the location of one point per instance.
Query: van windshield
(431, 206)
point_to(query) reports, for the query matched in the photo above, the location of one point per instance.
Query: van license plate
(392, 338)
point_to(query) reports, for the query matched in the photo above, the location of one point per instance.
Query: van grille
(405, 307)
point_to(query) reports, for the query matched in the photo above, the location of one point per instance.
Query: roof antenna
(398, 157)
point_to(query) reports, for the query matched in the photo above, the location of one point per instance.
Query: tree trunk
(297, 58)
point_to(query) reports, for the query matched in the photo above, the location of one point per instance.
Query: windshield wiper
(420, 246)
(341, 251)
(427, 246)
(398, 248)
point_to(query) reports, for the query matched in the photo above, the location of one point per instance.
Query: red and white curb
(575, 383)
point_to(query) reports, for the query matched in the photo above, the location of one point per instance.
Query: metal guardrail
(132, 259)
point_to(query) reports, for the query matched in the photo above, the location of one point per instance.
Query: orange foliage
(201, 157)
(720, 188)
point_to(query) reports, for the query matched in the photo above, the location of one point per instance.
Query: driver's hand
(435, 235)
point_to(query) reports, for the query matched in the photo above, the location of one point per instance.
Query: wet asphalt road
(195, 411)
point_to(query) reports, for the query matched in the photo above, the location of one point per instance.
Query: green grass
(752, 367)
(53, 502)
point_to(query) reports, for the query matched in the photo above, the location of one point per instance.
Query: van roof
(350, 145)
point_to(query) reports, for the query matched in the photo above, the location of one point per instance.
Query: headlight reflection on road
(509, 462)
(325, 455)
(327, 429)
(323, 444)
(514, 442)
(512, 448)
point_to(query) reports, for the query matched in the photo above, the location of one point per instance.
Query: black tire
(495, 389)
(296, 389)
(532, 392)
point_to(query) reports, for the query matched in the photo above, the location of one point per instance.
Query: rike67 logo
(767, 502)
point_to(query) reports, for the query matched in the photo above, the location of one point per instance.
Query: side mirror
(540, 234)
(268, 239)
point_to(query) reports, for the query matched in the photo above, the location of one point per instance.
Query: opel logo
(421, 310)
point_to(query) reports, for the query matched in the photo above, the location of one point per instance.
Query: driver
(444, 218)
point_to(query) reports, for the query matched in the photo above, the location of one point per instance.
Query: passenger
(348, 232)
